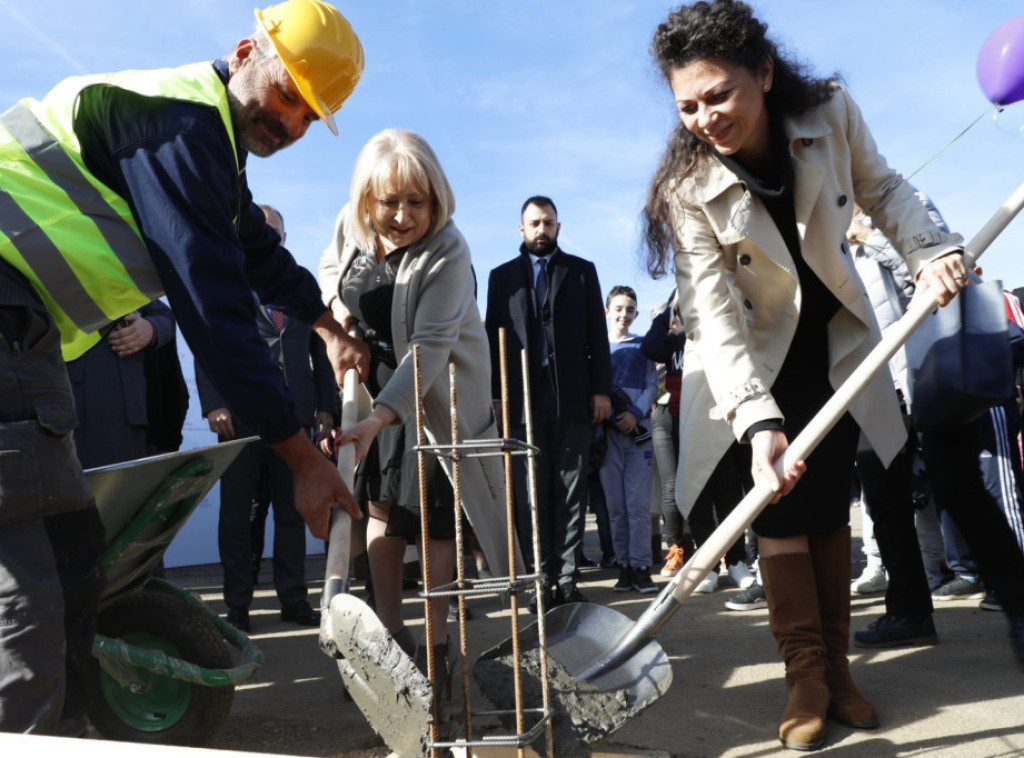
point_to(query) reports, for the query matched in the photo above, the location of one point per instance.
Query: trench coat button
(842, 200)
(748, 305)
(744, 260)
(844, 248)
(807, 141)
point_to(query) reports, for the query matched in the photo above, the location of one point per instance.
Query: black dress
(820, 501)
(368, 290)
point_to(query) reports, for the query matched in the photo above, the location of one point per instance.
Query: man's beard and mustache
(247, 119)
(542, 246)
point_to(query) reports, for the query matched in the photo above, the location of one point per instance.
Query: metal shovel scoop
(603, 652)
(381, 678)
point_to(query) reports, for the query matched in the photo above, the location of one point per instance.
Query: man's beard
(543, 247)
(246, 117)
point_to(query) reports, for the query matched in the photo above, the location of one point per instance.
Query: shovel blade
(382, 679)
(578, 635)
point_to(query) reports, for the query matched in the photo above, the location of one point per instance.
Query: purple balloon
(1001, 63)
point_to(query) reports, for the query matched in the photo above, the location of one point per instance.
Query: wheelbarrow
(164, 670)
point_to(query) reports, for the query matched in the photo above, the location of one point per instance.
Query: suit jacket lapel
(557, 271)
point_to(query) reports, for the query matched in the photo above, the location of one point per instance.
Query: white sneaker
(740, 575)
(708, 584)
(872, 580)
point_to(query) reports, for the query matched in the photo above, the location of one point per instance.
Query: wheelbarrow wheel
(155, 708)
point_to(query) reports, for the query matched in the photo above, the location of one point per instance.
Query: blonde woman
(400, 271)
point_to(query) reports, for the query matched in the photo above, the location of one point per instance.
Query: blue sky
(523, 97)
(561, 98)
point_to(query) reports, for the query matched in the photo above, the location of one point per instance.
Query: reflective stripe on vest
(69, 234)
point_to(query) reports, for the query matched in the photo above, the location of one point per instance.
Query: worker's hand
(219, 420)
(365, 432)
(601, 406)
(344, 352)
(324, 424)
(944, 277)
(136, 334)
(626, 422)
(318, 486)
(767, 448)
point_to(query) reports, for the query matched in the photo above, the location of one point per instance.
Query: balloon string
(948, 144)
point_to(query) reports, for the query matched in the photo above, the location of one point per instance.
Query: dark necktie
(543, 309)
(278, 318)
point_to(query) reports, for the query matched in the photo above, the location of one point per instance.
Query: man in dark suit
(550, 303)
(109, 383)
(260, 473)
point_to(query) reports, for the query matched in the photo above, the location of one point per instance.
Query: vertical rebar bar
(531, 467)
(428, 615)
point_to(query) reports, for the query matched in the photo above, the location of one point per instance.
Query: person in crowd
(136, 181)
(549, 302)
(724, 489)
(664, 344)
(983, 531)
(598, 505)
(260, 475)
(325, 404)
(166, 397)
(399, 270)
(626, 469)
(751, 202)
(110, 390)
(895, 562)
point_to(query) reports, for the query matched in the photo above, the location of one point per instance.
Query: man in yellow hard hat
(116, 189)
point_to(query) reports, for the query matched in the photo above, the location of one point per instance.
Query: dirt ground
(963, 697)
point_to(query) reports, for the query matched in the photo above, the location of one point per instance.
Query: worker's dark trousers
(50, 533)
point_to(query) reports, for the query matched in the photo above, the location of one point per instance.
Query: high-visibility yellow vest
(72, 236)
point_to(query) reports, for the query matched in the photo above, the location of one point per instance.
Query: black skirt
(820, 501)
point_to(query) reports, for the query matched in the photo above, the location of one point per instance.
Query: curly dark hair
(724, 30)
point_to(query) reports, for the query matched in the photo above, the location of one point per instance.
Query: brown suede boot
(796, 623)
(831, 555)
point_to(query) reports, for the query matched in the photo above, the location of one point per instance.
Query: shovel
(380, 677)
(609, 667)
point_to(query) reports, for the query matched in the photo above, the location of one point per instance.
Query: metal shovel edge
(383, 681)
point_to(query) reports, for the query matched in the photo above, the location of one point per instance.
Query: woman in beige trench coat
(752, 201)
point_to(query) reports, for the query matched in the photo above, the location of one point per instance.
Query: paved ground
(963, 697)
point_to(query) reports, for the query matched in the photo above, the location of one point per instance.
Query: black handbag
(959, 360)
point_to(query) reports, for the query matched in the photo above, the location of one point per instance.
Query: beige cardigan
(739, 293)
(435, 308)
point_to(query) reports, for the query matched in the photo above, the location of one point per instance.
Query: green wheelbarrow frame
(142, 688)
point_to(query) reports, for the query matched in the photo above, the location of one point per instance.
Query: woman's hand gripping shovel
(610, 667)
(381, 678)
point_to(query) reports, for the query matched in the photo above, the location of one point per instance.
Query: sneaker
(889, 631)
(453, 610)
(750, 599)
(569, 593)
(673, 562)
(642, 580)
(708, 584)
(740, 575)
(990, 603)
(872, 580)
(625, 583)
(960, 588)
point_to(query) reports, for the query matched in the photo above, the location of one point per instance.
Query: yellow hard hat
(319, 49)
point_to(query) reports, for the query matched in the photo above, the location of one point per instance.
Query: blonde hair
(405, 158)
